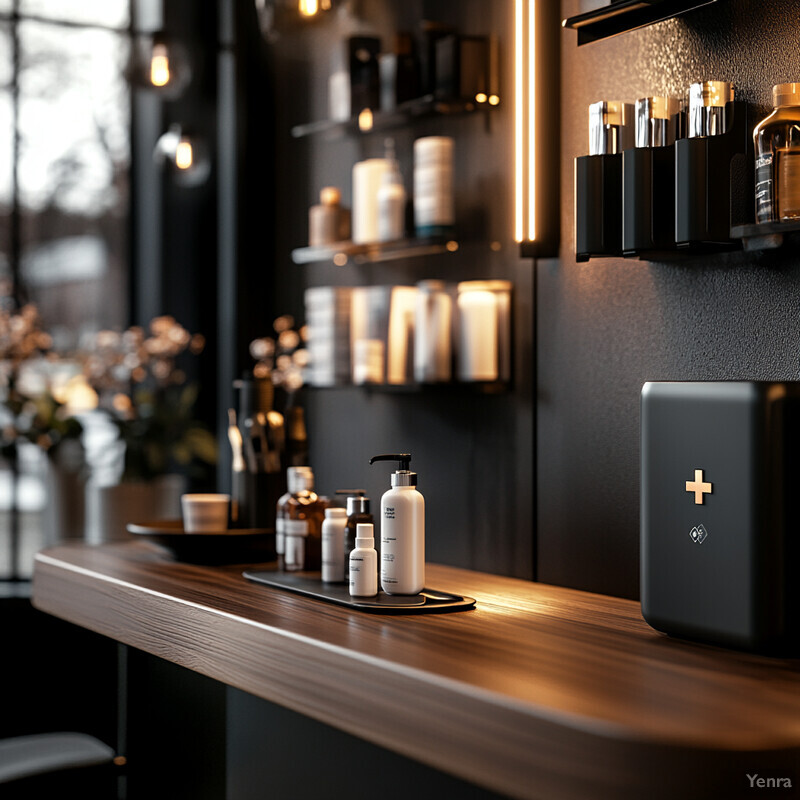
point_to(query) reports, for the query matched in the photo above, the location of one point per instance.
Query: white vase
(63, 516)
(109, 509)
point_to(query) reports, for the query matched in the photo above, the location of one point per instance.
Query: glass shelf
(626, 15)
(425, 106)
(342, 252)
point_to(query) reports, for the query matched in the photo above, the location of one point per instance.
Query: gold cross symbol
(699, 487)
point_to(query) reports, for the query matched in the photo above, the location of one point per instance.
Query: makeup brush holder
(713, 184)
(598, 206)
(648, 200)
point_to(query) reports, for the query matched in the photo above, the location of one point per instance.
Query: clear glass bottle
(777, 153)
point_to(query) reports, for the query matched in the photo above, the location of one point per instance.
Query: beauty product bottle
(391, 200)
(777, 152)
(402, 530)
(328, 221)
(282, 508)
(708, 108)
(598, 180)
(434, 209)
(364, 563)
(305, 504)
(357, 512)
(333, 545)
(648, 178)
(433, 323)
(296, 544)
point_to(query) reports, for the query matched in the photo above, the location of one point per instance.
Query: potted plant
(150, 404)
(31, 415)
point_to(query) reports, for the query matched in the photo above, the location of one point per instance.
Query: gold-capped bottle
(777, 157)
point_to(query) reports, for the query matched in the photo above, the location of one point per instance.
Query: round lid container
(335, 513)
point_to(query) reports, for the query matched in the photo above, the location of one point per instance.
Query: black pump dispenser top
(403, 476)
(404, 459)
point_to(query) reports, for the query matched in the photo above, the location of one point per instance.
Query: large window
(64, 165)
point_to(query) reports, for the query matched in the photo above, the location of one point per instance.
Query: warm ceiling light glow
(308, 7)
(184, 157)
(452, 246)
(493, 99)
(480, 97)
(365, 120)
(159, 66)
(524, 119)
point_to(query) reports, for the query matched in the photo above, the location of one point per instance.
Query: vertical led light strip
(531, 109)
(525, 120)
(519, 113)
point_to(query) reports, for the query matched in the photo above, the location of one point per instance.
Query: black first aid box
(720, 507)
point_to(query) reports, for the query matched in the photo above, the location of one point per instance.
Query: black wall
(606, 326)
(473, 453)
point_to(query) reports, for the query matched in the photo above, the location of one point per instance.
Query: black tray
(428, 601)
(234, 546)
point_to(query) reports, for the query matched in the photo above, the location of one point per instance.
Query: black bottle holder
(648, 200)
(713, 183)
(598, 206)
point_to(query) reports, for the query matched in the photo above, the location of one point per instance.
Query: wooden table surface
(539, 692)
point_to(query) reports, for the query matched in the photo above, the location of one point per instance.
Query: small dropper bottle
(364, 563)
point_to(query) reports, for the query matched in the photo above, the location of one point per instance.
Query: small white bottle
(402, 530)
(391, 200)
(333, 545)
(364, 563)
(295, 537)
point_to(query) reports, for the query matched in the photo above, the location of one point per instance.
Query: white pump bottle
(402, 531)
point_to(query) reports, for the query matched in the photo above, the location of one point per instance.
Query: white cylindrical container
(434, 212)
(432, 333)
(483, 325)
(402, 531)
(391, 207)
(364, 563)
(367, 177)
(333, 545)
(295, 533)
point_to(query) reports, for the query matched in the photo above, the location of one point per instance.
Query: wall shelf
(426, 106)
(766, 235)
(342, 252)
(460, 387)
(627, 15)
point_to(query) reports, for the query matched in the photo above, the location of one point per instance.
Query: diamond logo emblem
(698, 534)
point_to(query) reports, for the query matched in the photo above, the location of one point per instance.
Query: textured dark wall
(474, 453)
(607, 326)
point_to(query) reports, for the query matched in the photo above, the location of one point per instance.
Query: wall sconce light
(186, 157)
(536, 127)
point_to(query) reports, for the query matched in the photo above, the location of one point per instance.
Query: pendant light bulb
(159, 65)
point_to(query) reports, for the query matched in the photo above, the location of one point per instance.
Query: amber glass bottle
(305, 504)
(777, 152)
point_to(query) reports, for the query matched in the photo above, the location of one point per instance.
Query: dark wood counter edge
(491, 738)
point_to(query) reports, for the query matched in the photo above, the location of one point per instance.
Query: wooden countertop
(539, 692)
